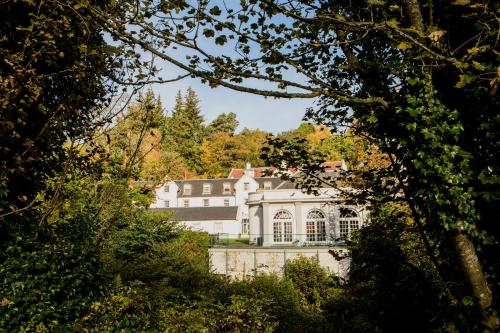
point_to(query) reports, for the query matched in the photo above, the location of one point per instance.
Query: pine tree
(186, 130)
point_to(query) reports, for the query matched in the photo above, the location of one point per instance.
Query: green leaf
(215, 11)
(208, 33)
(221, 40)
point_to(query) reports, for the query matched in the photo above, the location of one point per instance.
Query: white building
(279, 221)
(253, 203)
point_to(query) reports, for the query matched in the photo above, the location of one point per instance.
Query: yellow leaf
(404, 45)
(436, 35)
(461, 2)
(473, 50)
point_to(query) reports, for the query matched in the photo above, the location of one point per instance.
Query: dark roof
(275, 181)
(197, 187)
(326, 176)
(200, 213)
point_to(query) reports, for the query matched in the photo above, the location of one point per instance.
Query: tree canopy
(420, 79)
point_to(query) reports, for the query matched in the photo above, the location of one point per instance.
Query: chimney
(249, 171)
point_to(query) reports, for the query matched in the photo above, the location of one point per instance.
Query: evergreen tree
(186, 129)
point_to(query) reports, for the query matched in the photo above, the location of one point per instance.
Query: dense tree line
(178, 143)
(415, 82)
(418, 79)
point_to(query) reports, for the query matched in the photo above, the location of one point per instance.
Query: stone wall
(239, 263)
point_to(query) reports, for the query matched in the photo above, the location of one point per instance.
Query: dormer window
(187, 189)
(267, 186)
(226, 188)
(207, 188)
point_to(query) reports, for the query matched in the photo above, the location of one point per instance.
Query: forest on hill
(416, 85)
(178, 144)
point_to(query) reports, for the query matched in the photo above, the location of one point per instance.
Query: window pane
(344, 229)
(321, 231)
(288, 231)
(310, 231)
(277, 231)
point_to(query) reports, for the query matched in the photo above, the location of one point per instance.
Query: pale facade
(290, 217)
(269, 211)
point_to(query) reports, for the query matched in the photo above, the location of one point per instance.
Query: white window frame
(246, 186)
(268, 186)
(227, 202)
(187, 189)
(206, 203)
(166, 188)
(166, 203)
(245, 226)
(186, 203)
(283, 226)
(207, 188)
(349, 221)
(226, 188)
(316, 226)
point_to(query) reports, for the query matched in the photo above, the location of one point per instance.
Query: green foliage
(226, 123)
(392, 285)
(186, 130)
(52, 87)
(47, 284)
(241, 314)
(311, 280)
(221, 151)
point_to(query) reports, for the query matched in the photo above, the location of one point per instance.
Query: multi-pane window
(245, 226)
(186, 203)
(226, 188)
(282, 227)
(206, 203)
(267, 186)
(207, 188)
(187, 189)
(166, 203)
(166, 188)
(349, 221)
(316, 226)
(226, 202)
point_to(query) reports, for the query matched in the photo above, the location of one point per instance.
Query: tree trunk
(475, 277)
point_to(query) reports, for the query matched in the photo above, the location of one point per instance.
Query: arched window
(282, 227)
(349, 221)
(316, 226)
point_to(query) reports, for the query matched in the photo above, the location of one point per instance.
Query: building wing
(201, 213)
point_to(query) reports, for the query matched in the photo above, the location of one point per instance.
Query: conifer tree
(186, 129)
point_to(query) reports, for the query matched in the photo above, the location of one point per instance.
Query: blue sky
(268, 114)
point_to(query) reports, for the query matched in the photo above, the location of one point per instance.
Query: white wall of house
(263, 206)
(243, 187)
(162, 196)
(212, 201)
(230, 227)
